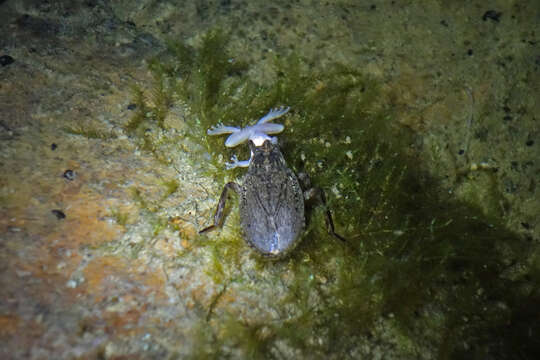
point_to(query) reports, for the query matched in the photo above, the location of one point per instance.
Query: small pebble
(69, 174)
(5, 60)
(59, 214)
(53, 146)
(492, 15)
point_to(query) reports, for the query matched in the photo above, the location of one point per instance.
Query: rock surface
(124, 274)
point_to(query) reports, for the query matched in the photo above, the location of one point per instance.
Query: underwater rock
(59, 214)
(492, 15)
(6, 60)
(69, 174)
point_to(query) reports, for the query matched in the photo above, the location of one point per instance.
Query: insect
(271, 199)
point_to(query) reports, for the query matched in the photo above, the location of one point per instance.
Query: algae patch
(89, 132)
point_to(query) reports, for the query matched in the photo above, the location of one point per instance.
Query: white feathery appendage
(273, 114)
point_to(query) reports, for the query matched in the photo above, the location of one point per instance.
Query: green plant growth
(151, 208)
(120, 217)
(411, 250)
(170, 188)
(89, 132)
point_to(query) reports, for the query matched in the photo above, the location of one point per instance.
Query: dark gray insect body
(271, 202)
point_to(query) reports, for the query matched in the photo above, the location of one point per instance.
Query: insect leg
(218, 216)
(318, 194)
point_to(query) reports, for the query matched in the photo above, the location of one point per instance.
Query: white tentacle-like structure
(261, 129)
(257, 133)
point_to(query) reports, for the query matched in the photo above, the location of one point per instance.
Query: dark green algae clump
(434, 267)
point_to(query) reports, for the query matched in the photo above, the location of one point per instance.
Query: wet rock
(59, 214)
(39, 27)
(69, 174)
(492, 15)
(5, 60)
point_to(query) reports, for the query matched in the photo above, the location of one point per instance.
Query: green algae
(89, 132)
(171, 186)
(414, 255)
(140, 199)
(120, 217)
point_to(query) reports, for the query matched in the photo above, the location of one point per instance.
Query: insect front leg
(218, 216)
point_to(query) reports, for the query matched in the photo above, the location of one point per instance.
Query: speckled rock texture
(99, 252)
